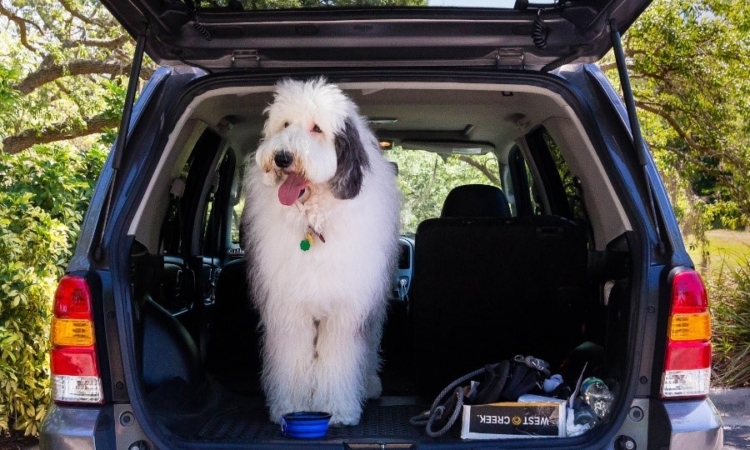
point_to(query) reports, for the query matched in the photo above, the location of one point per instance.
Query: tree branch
(491, 176)
(685, 136)
(58, 132)
(613, 65)
(21, 24)
(45, 75)
(111, 44)
(65, 4)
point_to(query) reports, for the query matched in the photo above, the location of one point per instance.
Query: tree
(688, 64)
(63, 64)
(63, 67)
(425, 178)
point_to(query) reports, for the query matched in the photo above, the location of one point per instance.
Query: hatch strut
(635, 128)
(122, 136)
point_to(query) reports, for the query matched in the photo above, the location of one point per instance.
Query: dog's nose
(283, 159)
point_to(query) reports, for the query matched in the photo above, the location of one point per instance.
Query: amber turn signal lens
(690, 327)
(72, 332)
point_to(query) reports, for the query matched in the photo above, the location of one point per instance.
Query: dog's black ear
(351, 162)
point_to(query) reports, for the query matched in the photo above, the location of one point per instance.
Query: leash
(437, 410)
(504, 380)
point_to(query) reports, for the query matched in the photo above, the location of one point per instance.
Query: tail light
(687, 367)
(75, 368)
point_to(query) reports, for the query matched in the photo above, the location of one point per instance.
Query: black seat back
(486, 289)
(475, 200)
(233, 354)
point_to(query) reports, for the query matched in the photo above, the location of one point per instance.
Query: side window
(237, 222)
(544, 184)
(183, 229)
(217, 216)
(237, 205)
(171, 238)
(570, 183)
(527, 200)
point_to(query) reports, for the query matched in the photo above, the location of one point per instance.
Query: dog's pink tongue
(292, 188)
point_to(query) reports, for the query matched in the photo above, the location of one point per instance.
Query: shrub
(43, 195)
(729, 291)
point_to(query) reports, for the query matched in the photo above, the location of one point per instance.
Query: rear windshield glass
(307, 4)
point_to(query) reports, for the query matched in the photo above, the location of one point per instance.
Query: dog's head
(312, 137)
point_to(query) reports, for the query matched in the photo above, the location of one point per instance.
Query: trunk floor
(252, 424)
(213, 414)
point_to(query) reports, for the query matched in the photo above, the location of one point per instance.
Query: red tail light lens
(687, 367)
(73, 359)
(73, 299)
(688, 293)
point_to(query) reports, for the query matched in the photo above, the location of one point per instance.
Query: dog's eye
(286, 124)
(316, 129)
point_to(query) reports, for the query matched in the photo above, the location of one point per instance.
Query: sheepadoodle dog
(321, 226)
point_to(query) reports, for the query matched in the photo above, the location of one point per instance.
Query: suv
(534, 222)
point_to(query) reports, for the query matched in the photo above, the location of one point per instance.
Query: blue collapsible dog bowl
(305, 424)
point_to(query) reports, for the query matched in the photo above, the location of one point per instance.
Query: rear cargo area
(219, 400)
(547, 275)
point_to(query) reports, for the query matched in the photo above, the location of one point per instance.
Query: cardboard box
(513, 420)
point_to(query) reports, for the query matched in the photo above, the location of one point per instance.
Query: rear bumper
(696, 424)
(77, 428)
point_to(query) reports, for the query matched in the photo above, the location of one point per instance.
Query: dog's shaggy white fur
(319, 176)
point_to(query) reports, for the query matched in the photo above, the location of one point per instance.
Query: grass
(727, 277)
(727, 250)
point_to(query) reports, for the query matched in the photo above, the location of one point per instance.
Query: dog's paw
(275, 417)
(339, 420)
(276, 412)
(373, 387)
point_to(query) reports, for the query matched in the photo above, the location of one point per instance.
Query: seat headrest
(476, 200)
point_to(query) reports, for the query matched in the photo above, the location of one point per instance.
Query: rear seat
(487, 287)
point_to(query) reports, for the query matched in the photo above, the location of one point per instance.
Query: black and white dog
(321, 233)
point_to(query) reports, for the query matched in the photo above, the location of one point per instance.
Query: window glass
(537, 206)
(571, 184)
(257, 5)
(425, 179)
(237, 219)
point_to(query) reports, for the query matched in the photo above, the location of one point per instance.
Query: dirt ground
(16, 441)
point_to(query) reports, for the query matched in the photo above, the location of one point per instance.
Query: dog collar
(307, 242)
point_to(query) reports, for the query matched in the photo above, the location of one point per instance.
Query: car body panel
(696, 425)
(67, 427)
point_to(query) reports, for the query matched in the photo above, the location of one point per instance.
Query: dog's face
(311, 138)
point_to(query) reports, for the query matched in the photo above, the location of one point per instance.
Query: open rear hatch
(524, 35)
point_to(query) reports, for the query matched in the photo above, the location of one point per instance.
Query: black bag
(503, 381)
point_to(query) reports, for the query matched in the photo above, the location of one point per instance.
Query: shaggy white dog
(321, 229)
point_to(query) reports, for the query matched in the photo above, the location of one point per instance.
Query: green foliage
(43, 195)
(425, 179)
(729, 291)
(285, 4)
(61, 63)
(9, 96)
(688, 64)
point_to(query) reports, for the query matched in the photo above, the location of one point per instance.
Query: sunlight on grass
(726, 249)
